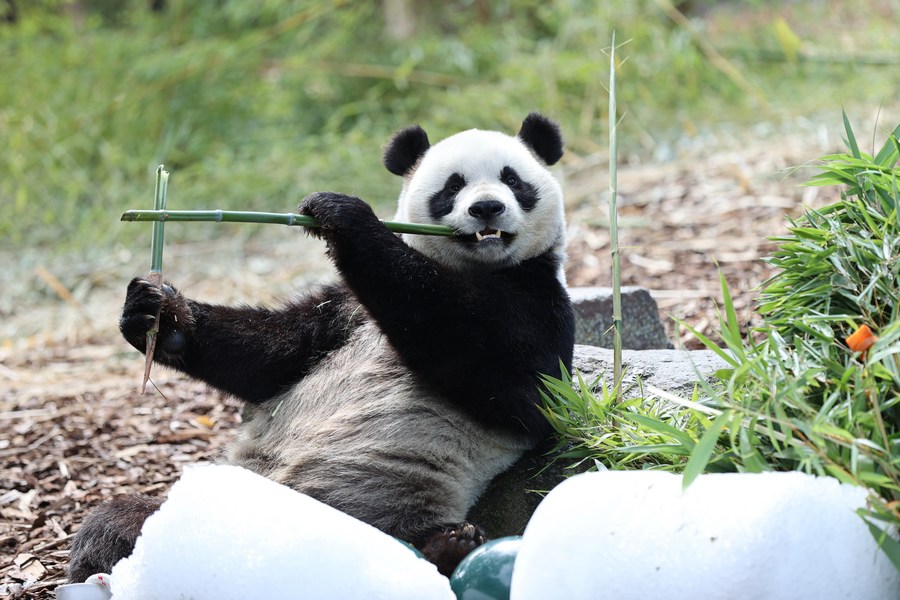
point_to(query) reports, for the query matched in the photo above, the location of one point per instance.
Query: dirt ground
(75, 430)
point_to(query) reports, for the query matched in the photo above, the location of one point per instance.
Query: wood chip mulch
(76, 431)
(684, 222)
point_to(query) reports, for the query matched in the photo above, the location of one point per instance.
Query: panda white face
(494, 189)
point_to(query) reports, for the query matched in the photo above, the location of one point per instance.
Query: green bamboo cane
(155, 275)
(291, 219)
(613, 222)
(157, 236)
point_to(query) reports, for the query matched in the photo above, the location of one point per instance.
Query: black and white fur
(399, 393)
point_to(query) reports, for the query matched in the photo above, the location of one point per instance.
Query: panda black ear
(405, 149)
(543, 136)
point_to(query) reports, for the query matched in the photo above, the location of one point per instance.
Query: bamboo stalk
(155, 275)
(613, 223)
(291, 219)
(157, 236)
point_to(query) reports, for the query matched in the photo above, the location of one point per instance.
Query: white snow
(769, 536)
(227, 533)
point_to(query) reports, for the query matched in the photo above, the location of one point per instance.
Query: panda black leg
(108, 535)
(448, 546)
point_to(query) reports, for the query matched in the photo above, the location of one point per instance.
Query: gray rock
(508, 503)
(676, 371)
(642, 328)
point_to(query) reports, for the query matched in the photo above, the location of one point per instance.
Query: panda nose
(485, 209)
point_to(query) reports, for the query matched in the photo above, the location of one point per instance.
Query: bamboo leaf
(711, 345)
(833, 431)
(889, 545)
(840, 474)
(887, 156)
(704, 450)
(874, 479)
(810, 233)
(732, 328)
(661, 428)
(750, 456)
(659, 449)
(851, 139)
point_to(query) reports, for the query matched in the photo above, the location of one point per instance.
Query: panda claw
(449, 546)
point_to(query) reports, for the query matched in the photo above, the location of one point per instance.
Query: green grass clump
(596, 425)
(794, 396)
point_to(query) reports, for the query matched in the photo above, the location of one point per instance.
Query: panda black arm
(252, 353)
(479, 338)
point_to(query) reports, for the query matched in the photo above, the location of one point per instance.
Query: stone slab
(676, 371)
(642, 328)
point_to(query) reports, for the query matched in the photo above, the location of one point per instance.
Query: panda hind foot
(446, 548)
(108, 535)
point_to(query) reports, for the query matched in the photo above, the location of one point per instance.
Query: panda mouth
(487, 236)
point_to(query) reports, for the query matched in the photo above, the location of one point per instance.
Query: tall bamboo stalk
(613, 222)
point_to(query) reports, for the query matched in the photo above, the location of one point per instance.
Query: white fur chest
(362, 434)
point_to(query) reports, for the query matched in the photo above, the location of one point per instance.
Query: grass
(252, 106)
(797, 394)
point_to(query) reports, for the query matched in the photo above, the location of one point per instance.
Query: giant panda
(397, 394)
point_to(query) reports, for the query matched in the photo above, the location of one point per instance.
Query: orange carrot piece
(862, 339)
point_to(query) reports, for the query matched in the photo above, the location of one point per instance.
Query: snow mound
(227, 533)
(635, 535)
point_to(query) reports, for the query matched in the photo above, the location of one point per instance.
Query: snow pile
(634, 535)
(225, 533)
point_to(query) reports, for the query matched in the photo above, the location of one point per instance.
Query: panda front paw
(336, 213)
(143, 301)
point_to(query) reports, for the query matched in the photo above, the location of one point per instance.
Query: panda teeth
(487, 233)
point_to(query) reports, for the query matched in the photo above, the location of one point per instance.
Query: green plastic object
(485, 574)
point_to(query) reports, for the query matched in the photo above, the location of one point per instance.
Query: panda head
(494, 189)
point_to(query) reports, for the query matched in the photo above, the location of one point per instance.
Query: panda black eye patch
(524, 192)
(441, 203)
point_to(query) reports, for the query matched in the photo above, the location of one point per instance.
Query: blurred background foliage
(252, 105)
